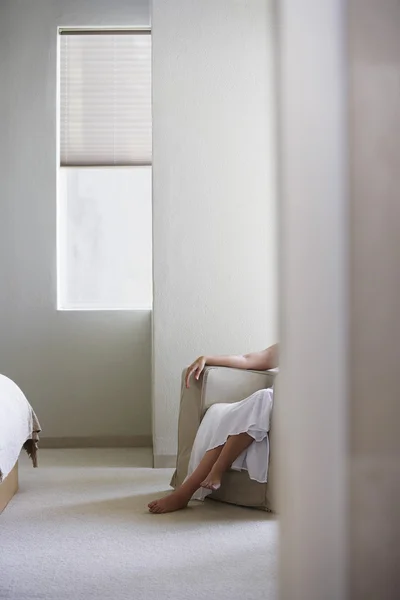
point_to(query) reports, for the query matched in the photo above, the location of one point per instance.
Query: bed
(19, 428)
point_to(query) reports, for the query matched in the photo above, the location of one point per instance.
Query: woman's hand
(196, 367)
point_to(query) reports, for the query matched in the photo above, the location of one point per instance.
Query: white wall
(87, 374)
(213, 191)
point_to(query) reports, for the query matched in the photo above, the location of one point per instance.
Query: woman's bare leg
(233, 448)
(181, 496)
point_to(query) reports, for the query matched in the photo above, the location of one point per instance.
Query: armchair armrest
(223, 384)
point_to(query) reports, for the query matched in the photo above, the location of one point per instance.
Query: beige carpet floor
(79, 530)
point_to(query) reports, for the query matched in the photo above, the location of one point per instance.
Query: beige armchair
(221, 384)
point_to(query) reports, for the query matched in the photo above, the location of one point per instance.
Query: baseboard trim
(164, 461)
(98, 441)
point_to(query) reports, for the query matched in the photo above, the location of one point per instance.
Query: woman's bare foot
(170, 503)
(212, 481)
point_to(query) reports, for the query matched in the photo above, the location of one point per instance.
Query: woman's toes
(211, 484)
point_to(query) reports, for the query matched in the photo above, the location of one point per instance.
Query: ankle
(216, 472)
(183, 494)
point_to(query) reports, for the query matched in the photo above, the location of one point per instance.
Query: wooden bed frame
(8, 487)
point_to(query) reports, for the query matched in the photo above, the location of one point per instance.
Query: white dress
(251, 415)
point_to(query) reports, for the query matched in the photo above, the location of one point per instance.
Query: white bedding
(18, 423)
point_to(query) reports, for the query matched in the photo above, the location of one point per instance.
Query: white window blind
(105, 98)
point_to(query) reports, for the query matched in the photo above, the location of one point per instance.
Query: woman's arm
(261, 361)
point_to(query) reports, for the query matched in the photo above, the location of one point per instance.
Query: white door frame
(312, 415)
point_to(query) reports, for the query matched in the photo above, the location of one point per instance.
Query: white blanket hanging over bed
(19, 426)
(251, 415)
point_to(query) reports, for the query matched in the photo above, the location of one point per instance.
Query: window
(104, 182)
